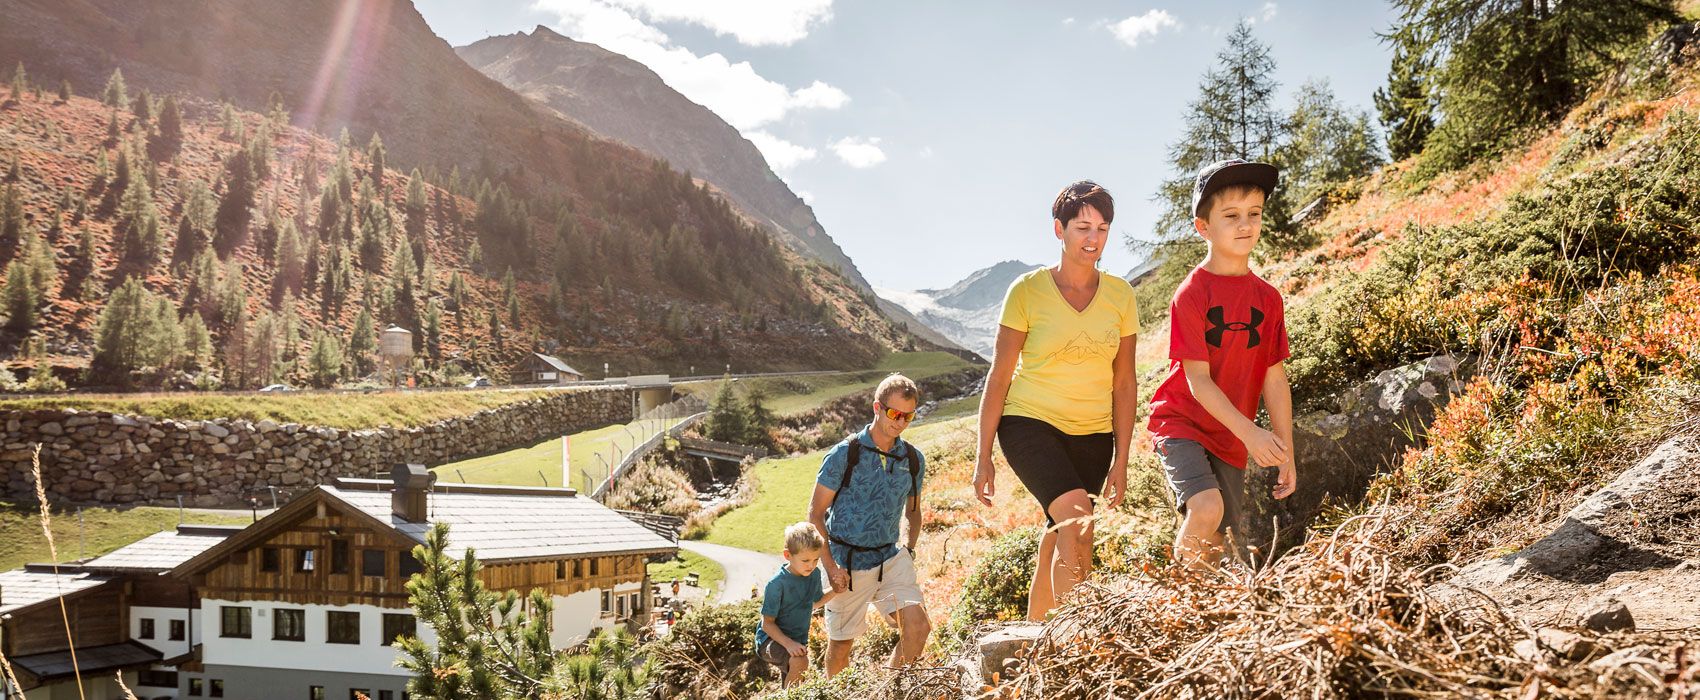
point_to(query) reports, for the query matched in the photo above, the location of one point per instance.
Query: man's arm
(818, 506)
(912, 512)
(1264, 446)
(1278, 398)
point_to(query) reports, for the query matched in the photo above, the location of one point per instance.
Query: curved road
(744, 568)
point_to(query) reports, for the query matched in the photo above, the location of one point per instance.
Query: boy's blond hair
(897, 384)
(802, 537)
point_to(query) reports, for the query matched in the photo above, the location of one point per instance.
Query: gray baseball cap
(1232, 171)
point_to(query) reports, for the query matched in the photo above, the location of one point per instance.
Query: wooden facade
(97, 617)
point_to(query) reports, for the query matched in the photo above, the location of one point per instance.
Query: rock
(215, 430)
(125, 421)
(51, 429)
(1001, 650)
(1610, 615)
(1565, 645)
(1573, 544)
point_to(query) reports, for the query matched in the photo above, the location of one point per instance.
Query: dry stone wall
(95, 457)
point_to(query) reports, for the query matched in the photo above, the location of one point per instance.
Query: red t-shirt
(1238, 325)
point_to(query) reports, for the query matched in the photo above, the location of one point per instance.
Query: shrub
(996, 590)
(710, 654)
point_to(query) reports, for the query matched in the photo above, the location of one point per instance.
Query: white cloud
(766, 23)
(859, 152)
(1264, 14)
(781, 154)
(1134, 29)
(1068, 21)
(742, 97)
(926, 151)
(819, 95)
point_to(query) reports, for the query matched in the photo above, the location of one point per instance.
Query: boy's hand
(985, 483)
(1267, 449)
(1287, 481)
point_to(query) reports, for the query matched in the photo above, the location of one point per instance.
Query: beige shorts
(847, 612)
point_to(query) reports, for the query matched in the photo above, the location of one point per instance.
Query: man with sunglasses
(867, 485)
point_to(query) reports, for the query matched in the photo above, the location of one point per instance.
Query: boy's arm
(1278, 398)
(770, 625)
(1267, 449)
(825, 598)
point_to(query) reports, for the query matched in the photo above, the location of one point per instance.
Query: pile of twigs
(1338, 617)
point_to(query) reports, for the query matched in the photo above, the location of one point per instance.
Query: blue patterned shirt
(869, 511)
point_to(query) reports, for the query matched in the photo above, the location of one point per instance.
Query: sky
(930, 137)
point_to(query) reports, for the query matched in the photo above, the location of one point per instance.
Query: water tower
(395, 349)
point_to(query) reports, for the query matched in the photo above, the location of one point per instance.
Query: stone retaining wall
(96, 457)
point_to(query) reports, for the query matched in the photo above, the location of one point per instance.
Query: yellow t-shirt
(1065, 375)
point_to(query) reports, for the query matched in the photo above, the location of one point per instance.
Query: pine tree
(116, 95)
(230, 222)
(122, 333)
(165, 341)
(761, 421)
(1325, 144)
(434, 330)
(164, 144)
(291, 261)
(1405, 103)
(139, 222)
(326, 361)
(1505, 65)
(728, 418)
(65, 90)
(142, 108)
(20, 83)
(1234, 116)
(375, 155)
(197, 341)
(473, 627)
(28, 279)
(362, 343)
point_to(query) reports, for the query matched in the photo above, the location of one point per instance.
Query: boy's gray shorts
(1192, 470)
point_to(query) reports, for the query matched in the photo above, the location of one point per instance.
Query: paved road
(744, 568)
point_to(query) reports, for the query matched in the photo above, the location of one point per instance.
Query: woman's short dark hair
(1079, 194)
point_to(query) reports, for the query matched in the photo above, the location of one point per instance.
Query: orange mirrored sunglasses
(895, 414)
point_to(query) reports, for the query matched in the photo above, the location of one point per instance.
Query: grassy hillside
(349, 410)
(89, 532)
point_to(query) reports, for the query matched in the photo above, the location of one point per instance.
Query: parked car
(478, 383)
(277, 387)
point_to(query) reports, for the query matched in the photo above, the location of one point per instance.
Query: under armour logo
(1218, 326)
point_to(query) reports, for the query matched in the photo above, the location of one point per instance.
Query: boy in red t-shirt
(1227, 341)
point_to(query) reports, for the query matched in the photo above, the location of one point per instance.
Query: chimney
(412, 482)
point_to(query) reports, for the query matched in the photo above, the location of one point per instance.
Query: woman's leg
(1073, 512)
(1039, 598)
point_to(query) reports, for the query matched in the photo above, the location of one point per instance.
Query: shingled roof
(556, 362)
(163, 551)
(509, 523)
(34, 585)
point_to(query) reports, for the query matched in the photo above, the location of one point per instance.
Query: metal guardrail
(640, 450)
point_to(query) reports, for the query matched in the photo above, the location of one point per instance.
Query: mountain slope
(966, 312)
(622, 99)
(618, 98)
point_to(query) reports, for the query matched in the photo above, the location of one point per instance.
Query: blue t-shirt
(869, 511)
(790, 600)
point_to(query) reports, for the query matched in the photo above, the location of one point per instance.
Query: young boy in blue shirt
(791, 597)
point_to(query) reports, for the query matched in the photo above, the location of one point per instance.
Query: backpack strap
(851, 457)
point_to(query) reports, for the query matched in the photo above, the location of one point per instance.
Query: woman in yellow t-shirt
(1060, 395)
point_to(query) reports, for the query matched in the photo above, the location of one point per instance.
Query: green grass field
(102, 530)
(520, 467)
(791, 395)
(711, 576)
(350, 410)
(786, 486)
